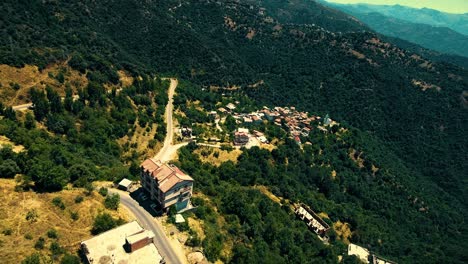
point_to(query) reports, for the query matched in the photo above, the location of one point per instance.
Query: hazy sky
(451, 6)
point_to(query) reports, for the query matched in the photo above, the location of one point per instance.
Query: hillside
(441, 39)
(408, 114)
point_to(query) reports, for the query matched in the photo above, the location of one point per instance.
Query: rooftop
(108, 247)
(166, 174)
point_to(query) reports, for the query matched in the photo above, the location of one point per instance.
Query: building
(128, 243)
(125, 184)
(241, 137)
(313, 221)
(166, 184)
(231, 106)
(366, 256)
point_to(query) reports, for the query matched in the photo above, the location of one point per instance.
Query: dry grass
(29, 76)
(6, 141)
(142, 138)
(267, 193)
(15, 205)
(356, 158)
(343, 231)
(197, 226)
(223, 155)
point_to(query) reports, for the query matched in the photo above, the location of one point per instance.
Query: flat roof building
(128, 243)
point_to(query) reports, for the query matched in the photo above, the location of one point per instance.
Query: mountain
(405, 112)
(456, 22)
(441, 39)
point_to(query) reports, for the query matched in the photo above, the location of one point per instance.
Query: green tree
(8, 168)
(40, 104)
(80, 175)
(35, 258)
(102, 223)
(47, 176)
(70, 259)
(112, 201)
(29, 121)
(55, 101)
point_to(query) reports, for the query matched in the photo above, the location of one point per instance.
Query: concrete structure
(366, 256)
(313, 221)
(360, 252)
(125, 184)
(128, 243)
(166, 184)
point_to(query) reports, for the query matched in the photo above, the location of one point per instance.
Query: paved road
(169, 150)
(146, 220)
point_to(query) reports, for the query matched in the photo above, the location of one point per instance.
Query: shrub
(74, 216)
(28, 236)
(39, 243)
(112, 202)
(32, 215)
(52, 233)
(70, 259)
(35, 258)
(102, 223)
(56, 249)
(103, 191)
(57, 201)
(78, 199)
(7, 232)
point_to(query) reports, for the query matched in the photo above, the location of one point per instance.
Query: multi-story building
(166, 184)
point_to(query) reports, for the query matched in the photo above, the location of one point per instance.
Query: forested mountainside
(408, 113)
(441, 39)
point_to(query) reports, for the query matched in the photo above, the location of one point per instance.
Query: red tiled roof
(167, 175)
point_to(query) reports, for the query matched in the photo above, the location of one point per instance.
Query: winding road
(144, 218)
(169, 150)
(142, 215)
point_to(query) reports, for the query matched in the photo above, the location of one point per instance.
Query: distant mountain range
(429, 28)
(456, 22)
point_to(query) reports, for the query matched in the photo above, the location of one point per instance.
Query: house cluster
(128, 243)
(298, 123)
(166, 184)
(313, 221)
(366, 256)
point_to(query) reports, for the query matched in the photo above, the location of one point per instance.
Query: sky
(450, 6)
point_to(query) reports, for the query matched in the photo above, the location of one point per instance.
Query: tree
(230, 123)
(70, 259)
(8, 168)
(47, 176)
(40, 104)
(80, 175)
(29, 122)
(68, 101)
(102, 223)
(35, 258)
(112, 201)
(54, 100)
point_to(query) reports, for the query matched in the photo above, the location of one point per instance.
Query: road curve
(148, 222)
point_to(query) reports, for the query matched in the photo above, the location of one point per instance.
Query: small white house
(125, 184)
